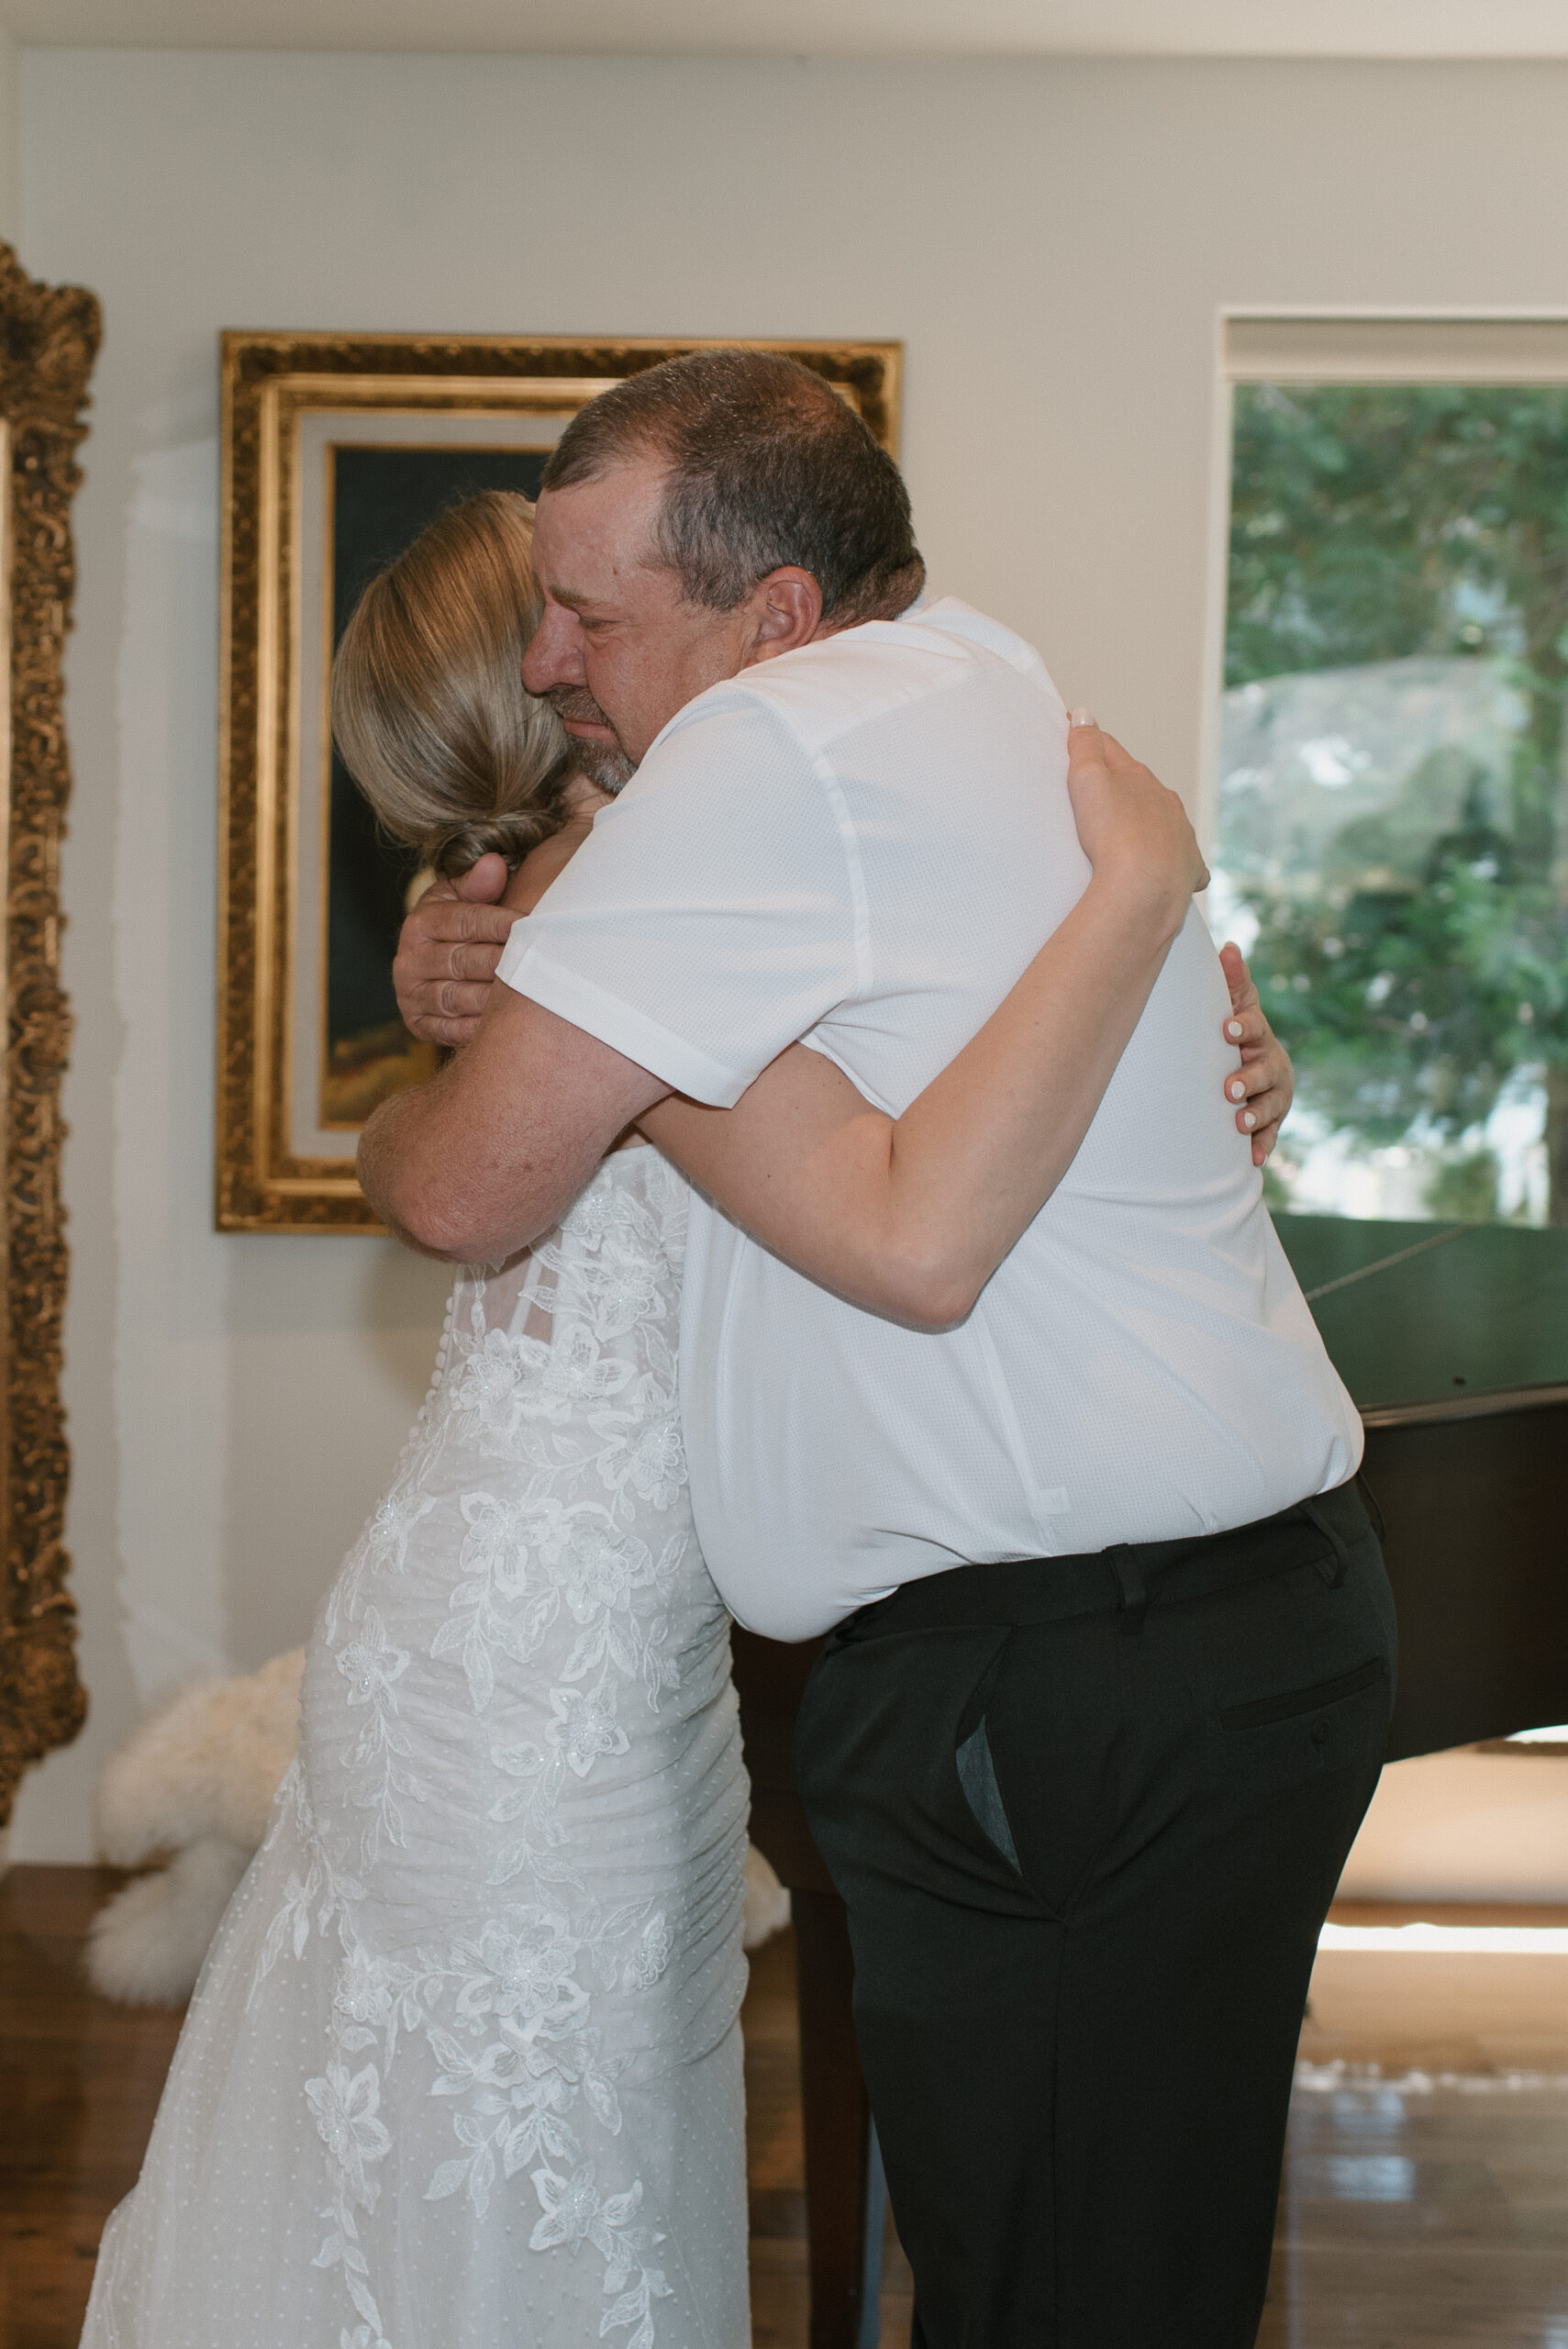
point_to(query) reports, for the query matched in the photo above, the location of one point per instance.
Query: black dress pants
(1087, 1815)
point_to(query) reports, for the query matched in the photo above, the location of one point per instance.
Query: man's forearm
(392, 1143)
(491, 1152)
(451, 1184)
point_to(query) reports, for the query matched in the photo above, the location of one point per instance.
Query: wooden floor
(1425, 2204)
(79, 2084)
(1426, 2196)
(774, 2163)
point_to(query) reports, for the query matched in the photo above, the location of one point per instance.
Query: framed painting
(50, 338)
(337, 451)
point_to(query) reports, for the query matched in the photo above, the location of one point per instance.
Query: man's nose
(555, 655)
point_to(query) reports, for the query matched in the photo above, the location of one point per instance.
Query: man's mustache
(576, 702)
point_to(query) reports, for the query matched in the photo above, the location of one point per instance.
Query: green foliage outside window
(1413, 975)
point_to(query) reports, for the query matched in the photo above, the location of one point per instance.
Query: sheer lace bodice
(492, 1940)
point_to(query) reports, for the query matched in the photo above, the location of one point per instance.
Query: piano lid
(1436, 1320)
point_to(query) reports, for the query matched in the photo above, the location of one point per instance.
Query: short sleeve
(714, 914)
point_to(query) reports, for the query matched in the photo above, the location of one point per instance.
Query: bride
(463, 2066)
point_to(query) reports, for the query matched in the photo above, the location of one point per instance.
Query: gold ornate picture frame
(49, 339)
(336, 450)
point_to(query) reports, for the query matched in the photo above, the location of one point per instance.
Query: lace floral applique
(498, 1605)
(379, 1760)
(574, 2214)
(520, 2090)
(650, 1458)
(383, 1545)
(346, 2109)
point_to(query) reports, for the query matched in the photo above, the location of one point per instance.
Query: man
(1111, 1655)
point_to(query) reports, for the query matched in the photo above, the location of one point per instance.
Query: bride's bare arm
(910, 1217)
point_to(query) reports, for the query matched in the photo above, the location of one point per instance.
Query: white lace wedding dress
(463, 2067)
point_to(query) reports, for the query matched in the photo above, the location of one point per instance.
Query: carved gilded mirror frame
(49, 339)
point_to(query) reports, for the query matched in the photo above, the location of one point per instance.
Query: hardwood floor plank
(79, 2080)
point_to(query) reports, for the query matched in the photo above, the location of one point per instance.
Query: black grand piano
(1453, 1341)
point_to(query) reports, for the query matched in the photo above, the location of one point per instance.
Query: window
(1391, 837)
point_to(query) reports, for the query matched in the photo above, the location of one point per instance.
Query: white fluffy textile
(194, 1782)
(192, 1785)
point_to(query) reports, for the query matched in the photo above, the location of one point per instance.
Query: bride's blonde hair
(429, 705)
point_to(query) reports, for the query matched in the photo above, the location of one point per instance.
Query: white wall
(10, 189)
(1465, 1826)
(1053, 241)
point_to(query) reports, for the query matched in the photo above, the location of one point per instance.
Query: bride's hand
(1265, 1087)
(1129, 824)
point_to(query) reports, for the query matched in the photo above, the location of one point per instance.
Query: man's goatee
(605, 765)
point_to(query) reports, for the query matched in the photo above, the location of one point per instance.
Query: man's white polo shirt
(863, 844)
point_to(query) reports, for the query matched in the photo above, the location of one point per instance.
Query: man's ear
(785, 610)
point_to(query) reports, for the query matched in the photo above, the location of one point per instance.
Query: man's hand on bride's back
(447, 953)
(1129, 824)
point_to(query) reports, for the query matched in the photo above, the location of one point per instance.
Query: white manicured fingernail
(1080, 717)
(1233, 1027)
(1249, 1121)
(1238, 1091)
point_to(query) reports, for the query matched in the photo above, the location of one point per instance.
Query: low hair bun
(452, 851)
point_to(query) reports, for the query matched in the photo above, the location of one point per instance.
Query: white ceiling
(1408, 28)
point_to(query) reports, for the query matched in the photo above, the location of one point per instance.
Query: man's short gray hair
(767, 467)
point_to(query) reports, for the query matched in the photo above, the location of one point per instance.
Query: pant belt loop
(1134, 1601)
(1332, 1575)
(1373, 1509)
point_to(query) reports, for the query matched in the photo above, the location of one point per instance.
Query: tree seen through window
(1393, 843)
